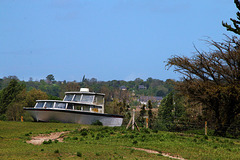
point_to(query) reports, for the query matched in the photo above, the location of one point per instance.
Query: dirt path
(38, 140)
(156, 152)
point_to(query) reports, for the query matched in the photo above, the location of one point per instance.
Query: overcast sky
(105, 39)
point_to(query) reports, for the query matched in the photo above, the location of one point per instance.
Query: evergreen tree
(141, 119)
(9, 94)
(170, 112)
(236, 27)
(50, 79)
(150, 115)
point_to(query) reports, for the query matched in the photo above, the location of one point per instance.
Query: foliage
(14, 111)
(79, 154)
(141, 118)
(235, 28)
(170, 112)
(14, 97)
(34, 95)
(97, 123)
(213, 80)
(150, 115)
(50, 78)
(8, 95)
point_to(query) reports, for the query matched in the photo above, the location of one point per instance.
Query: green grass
(98, 142)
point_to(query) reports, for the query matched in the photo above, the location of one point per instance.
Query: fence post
(133, 120)
(21, 118)
(147, 122)
(206, 128)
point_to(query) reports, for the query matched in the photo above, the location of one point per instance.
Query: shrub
(155, 131)
(75, 138)
(27, 134)
(206, 137)
(47, 142)
(79, 154)
(146, 130)
(131, 136)
(97, 154)
(84, 132)
(97, 123)
(135, 142)
(56, 151)
(81, 139)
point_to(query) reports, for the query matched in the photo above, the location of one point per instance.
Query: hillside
(96, 142)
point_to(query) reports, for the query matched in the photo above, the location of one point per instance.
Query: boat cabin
(81, 101)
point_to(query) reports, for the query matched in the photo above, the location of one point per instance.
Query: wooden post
(206, 128)
(21, 118)
(147, 122)
(133, 119)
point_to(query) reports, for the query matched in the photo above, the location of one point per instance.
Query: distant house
(141, 87)
(145, 99)
(123, 88)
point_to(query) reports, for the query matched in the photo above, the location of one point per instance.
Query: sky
(105, 39)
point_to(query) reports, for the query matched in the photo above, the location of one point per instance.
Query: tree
(33, 95)
(141, 118)
(150, 114)
(213, 79)
(15, 110)
(235, 28)
(50, 79)
(9, 93)
(170, 112)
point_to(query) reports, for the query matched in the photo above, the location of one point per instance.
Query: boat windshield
(49, 104)
(84, 98)
(60, 105)
(40, 105)
(87, 98)
(77, 98)
(68, 97)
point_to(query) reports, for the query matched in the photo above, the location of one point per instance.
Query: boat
(83, 107)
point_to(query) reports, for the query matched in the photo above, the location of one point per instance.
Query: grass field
(97, 142)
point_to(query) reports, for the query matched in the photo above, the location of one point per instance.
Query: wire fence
(202, 128)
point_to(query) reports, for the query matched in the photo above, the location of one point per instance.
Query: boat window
(77, 98)
(77, 107)
(49, 104)
(60, 105)
(70, 106)
(68, 97)
(87, 98)
(40, 104)
(86, 108)
(99, 99)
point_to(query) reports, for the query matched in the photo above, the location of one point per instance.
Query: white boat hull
(70, 116)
